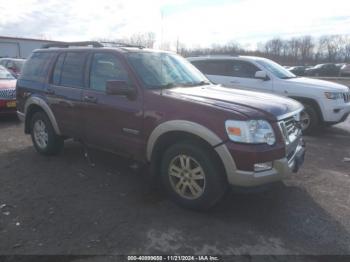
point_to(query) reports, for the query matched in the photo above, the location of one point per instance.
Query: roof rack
(68, 44)
(120, 44)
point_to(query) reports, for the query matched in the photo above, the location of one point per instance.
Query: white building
(16, 47)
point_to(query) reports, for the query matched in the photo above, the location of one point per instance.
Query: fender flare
(198, 130)
(34, 100)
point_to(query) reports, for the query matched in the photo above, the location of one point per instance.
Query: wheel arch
(311, 102)
(33, 105)
(171, 132)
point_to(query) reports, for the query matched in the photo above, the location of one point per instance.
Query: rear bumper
(281, 168)
(4, 110)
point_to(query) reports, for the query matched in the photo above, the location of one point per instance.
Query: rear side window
(213, 67)
(56, 77)
(72, 72)
(37, 66)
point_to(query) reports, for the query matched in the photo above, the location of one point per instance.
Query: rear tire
(192, 176)
(309, 119)
(44, 138)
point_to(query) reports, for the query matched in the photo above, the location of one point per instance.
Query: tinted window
(213, 67)
(56, 77)
(72, 73)
(243, 69)
(106, 67)
(37, 66)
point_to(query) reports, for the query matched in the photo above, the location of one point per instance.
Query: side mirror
(121, 88)
(261, 75)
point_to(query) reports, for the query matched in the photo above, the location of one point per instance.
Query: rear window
(37, 66)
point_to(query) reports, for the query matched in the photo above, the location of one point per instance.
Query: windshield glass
(276, 69)
(165, 70)
(4, 74)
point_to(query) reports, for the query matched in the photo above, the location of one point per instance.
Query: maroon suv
(158, 109)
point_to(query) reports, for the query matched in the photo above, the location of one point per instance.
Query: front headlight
(251, 131)
(333, 95)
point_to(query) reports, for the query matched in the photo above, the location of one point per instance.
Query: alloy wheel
(187, 177)
(41, 135)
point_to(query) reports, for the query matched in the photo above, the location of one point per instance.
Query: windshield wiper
(288, 77)
(201, 83)
(167, 86)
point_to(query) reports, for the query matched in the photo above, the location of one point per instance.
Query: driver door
(111, 122)
(242, 76)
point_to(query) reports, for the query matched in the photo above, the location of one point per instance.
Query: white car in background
(324, 102)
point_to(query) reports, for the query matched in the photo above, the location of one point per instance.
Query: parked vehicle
(14, 65)
(7, 92)
(158, 109)
(345, 70)
(298, 70)
(324, 102)
(323, 70)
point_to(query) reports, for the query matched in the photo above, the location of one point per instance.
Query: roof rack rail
(68, 44)
(120, 44)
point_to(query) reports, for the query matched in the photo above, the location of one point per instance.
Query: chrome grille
(346, 97)
(7, 93)
(290, 128)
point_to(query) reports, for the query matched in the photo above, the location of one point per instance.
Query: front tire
(309, 119)
(192, 176)
(44, 138)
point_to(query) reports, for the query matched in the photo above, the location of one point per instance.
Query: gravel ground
(61, 205)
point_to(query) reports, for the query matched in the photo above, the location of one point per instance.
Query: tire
(211, 184)
(45, 140)
(309, 114)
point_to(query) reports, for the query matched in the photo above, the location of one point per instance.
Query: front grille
(290, 128)
(346, 97)
(7, 93)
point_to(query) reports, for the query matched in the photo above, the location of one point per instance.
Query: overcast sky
(193, 22)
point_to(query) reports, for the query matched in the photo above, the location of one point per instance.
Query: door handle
(90, 99)
(234, 82)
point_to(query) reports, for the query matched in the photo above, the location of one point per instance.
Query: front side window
(157, 69)
(72, 74)
(106, 67)
(243, 69)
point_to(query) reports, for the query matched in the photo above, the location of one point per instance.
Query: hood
(8, 84)
(249, 103)
(318, 84)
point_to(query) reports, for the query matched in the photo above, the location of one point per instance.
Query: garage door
(8, 49)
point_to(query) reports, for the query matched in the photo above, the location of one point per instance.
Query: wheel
(309, 119)
(192, 176)
(44, 138)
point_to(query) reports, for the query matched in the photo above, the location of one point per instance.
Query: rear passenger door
(65, 92)
(112, 122)
(217, 71)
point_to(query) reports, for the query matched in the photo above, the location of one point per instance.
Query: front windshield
(275, 69)
(4, 74)
(162, 70)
